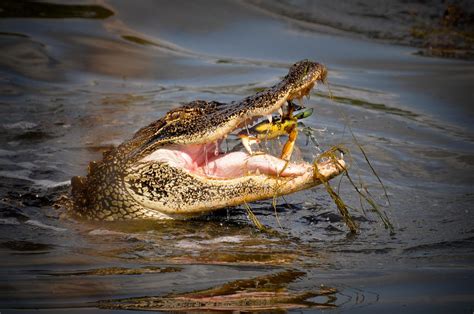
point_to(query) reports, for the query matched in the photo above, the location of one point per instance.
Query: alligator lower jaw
(270, 187)
(250, 188)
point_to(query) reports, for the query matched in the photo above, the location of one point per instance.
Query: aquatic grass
(367, 197)
(356, 141)
(341, 206)
(363, 192)
(274, 204)
(370, 200)
(254, 218)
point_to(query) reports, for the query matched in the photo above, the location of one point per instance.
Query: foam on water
(7, 153)
(40, 183)
(187, 244)
(21, 125)
(41, 225)
(102, 232)
(9, 221)
(225, 239)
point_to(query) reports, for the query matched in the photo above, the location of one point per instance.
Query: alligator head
(175, 167)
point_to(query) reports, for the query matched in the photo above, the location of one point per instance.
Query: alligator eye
(183, 114)
(175, 115)
(306, 70)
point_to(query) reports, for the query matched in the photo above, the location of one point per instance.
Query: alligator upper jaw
(208, 161)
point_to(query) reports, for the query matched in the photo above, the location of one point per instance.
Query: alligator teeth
(245, 142)
(257, 172)
(270, 118)
(280, 111)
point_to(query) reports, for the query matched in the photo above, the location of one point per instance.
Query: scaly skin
(122, 186)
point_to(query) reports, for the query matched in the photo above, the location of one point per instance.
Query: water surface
(78, 79)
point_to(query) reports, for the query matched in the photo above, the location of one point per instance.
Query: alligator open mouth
(210, 161)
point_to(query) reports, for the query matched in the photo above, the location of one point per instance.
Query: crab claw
(247, 141)
(296, 107)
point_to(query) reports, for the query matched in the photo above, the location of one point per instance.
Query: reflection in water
(200, 241)
(26, 246)
(263, 293)
(28, 57)
(115, 271)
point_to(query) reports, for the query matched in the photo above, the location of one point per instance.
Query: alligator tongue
(229, 165)
(237, 164)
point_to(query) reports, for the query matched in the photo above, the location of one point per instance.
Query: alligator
(176, 168)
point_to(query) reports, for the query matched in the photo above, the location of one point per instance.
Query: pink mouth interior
(207, 160)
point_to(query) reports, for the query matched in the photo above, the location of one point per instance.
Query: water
(75, 81)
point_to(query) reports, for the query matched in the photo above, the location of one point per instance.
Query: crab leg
(291, 130)
(247, 141)
(290, 143)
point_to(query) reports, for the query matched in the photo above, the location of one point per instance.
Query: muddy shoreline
(438, 29)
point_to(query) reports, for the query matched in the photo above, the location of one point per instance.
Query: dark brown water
(75, 80)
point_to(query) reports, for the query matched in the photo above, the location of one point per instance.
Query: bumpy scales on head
(175, 168)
